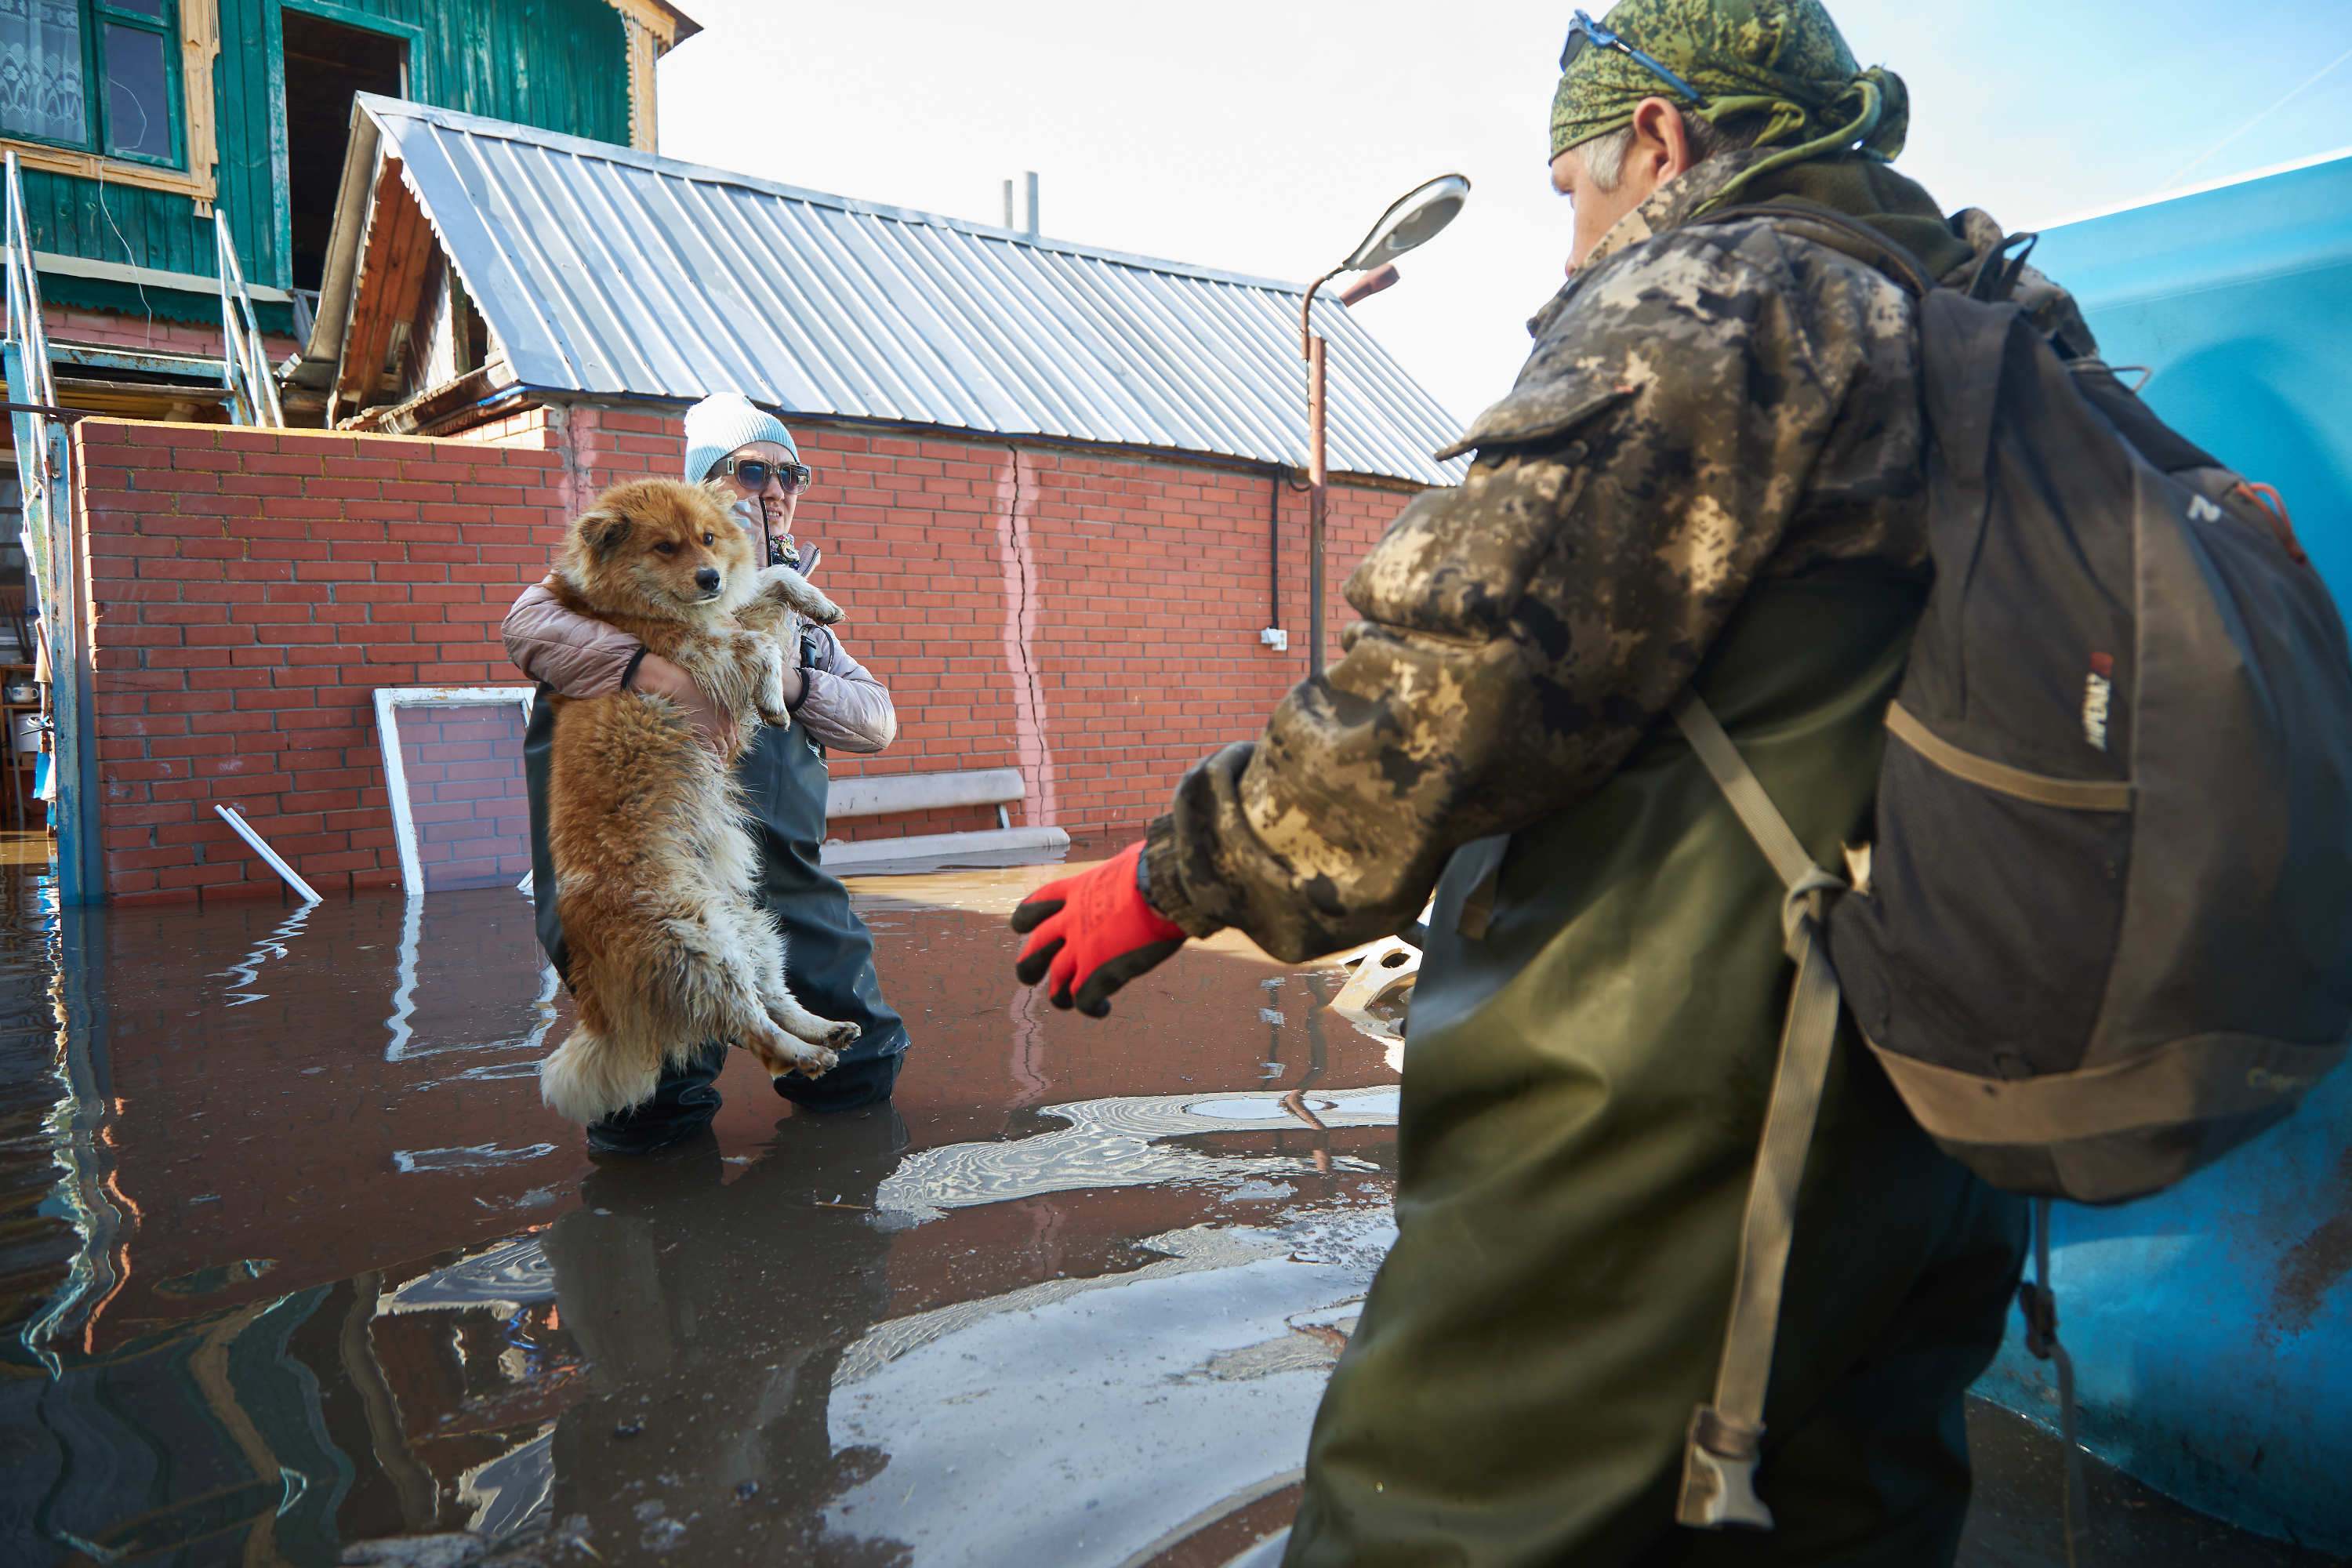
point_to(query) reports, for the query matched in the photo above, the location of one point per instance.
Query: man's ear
(1660, 134)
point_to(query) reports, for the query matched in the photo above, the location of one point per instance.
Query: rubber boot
(683, 1104)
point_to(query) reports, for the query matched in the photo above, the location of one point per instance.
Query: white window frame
(389, 701)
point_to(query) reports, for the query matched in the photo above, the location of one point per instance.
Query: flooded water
(294, 1268)
(320, 1271)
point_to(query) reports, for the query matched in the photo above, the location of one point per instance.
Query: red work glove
(1094, 932)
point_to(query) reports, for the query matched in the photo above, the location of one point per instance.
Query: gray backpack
(2098, 938)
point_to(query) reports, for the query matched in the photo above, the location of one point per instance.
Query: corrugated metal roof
(617, 273)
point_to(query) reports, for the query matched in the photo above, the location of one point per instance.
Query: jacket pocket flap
(1534, 413)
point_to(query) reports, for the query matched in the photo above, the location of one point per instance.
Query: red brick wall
(1145, 584)
(253, 588)
(1090, 619)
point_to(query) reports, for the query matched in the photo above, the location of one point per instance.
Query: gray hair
(1604, 155)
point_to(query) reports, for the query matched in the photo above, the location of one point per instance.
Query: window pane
(137, 94)
(40, 69)
(138, 7)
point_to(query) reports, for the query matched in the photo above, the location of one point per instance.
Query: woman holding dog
(829, 963)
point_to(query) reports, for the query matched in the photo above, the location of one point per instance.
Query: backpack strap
(2040, 1305)
(1829, 227)
(1726, 1438)
(1999, 271)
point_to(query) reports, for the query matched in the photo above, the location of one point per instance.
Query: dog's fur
(654, 869)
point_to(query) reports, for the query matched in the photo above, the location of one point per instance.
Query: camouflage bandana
(1784, 59)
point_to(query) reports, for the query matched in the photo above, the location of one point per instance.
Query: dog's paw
(841, 1035)
(813, 1061)
(790, 588)
(784, 1052)
(768, 695)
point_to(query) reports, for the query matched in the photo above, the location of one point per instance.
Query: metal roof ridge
(381, 110)
(2158, 197)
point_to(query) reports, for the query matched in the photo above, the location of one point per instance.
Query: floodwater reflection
(296, 1268)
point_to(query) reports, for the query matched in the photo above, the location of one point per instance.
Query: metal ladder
(245, 364)
(52, 552)
(53, 583)
(52, 558)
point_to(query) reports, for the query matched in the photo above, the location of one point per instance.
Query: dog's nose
(708, 579)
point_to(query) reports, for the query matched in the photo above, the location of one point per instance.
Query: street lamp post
(1410, 221)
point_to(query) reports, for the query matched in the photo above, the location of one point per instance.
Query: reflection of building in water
(268, 1078)
(271, 1101)
(211, 1432)
(728, 1366)
(218, 1062)
(337, 1086)
(292, 1425)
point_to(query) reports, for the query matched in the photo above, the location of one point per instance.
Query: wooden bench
(889, 794)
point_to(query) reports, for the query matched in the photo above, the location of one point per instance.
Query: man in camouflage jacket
(1710, 474)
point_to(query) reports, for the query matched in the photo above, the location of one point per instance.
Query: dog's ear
(606, 533)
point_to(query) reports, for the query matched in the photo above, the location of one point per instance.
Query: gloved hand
(1094, 932)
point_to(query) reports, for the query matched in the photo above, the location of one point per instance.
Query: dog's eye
(666, 548)
(710, 539)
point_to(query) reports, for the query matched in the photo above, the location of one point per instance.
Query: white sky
(1265, 136)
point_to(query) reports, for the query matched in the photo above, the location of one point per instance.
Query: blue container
(2211, 1325)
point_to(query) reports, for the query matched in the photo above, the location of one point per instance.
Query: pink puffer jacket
(846, 707)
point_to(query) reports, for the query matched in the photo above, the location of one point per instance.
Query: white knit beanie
(722, 422)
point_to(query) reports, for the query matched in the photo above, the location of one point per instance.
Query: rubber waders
(1590, 1054)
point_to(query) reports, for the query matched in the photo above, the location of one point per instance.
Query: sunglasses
(1584, 31)
(754, 475)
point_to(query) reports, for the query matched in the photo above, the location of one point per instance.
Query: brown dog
(653, 870)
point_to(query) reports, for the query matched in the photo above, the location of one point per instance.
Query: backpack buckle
(1804, 910)
(1719, 1461)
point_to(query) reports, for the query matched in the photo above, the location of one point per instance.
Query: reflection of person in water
(712, 1314)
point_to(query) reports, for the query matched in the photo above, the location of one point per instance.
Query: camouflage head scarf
(1784, 59)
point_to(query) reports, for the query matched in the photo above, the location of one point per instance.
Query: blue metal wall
(2211, 1325)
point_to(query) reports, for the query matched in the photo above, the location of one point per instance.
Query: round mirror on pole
(1416, 219)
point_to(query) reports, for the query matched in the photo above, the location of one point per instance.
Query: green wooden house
(133, 120)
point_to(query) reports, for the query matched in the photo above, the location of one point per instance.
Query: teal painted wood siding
(559, 65)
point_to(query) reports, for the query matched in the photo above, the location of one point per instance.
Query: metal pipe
(1369, 284)
(1311, 348)
(1306, 313)
(1273, 551)
(1032, 203)
(1317, 495)
(73, 741)
(260, 846)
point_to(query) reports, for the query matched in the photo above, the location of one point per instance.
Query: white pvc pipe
(230, 814)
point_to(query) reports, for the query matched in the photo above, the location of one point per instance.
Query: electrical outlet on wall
(1276, 638)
